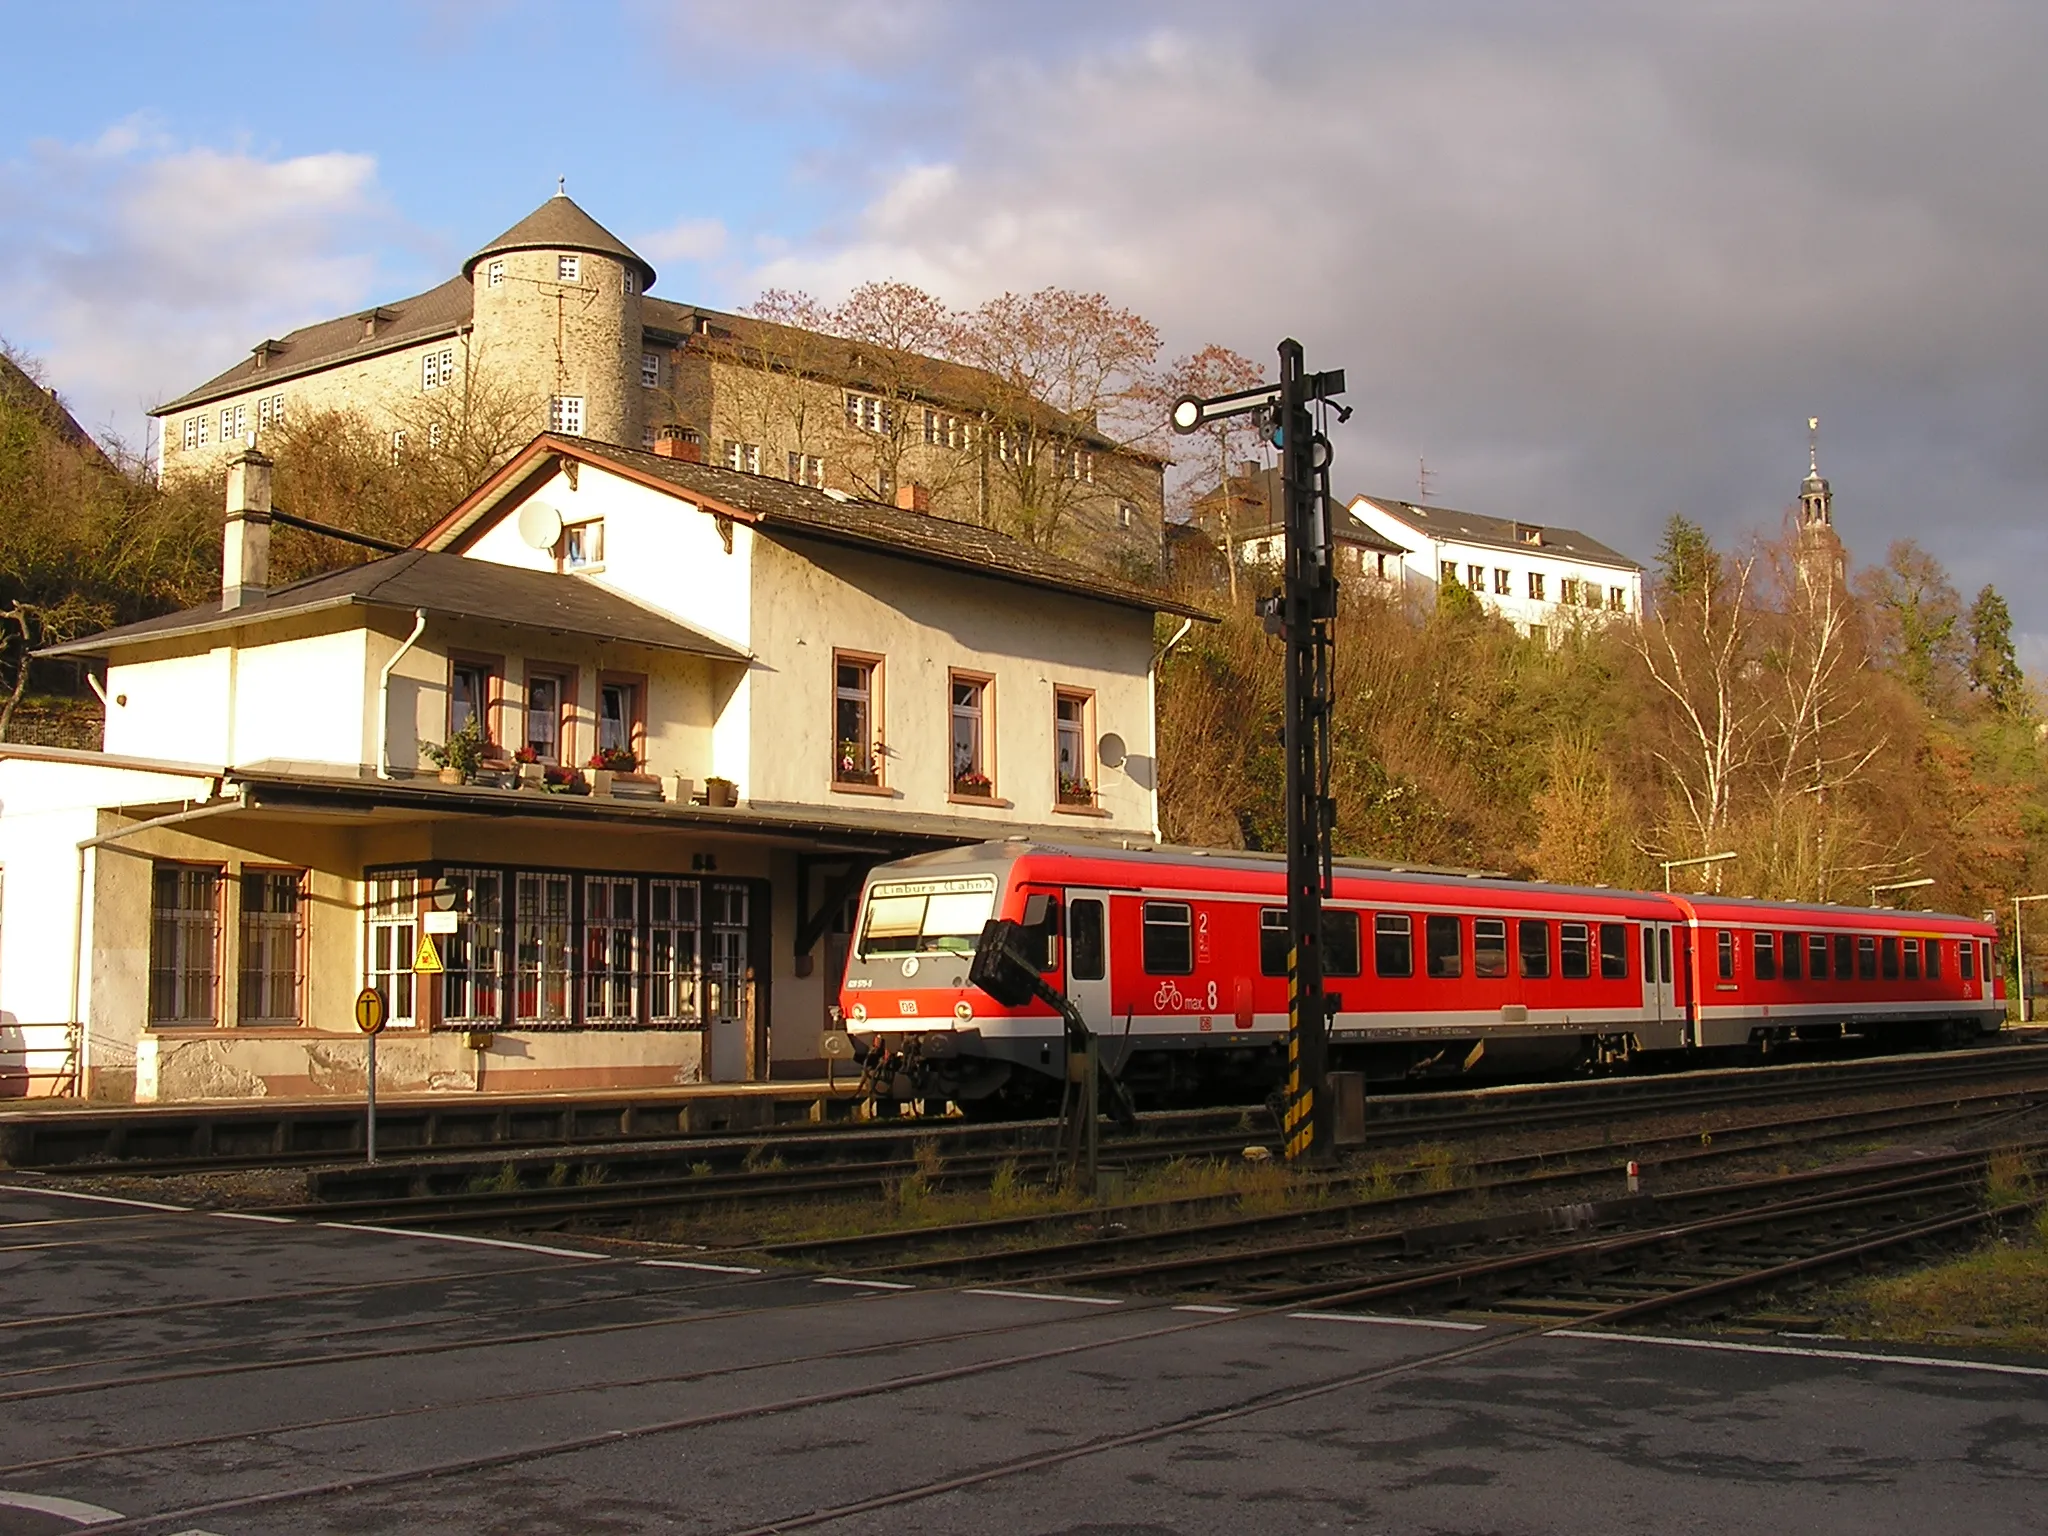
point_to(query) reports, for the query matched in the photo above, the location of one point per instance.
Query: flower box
(721, 792)
(636, 786)
(974, 786)
(1076, 792)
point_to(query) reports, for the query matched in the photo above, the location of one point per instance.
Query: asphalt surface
(182, 1372)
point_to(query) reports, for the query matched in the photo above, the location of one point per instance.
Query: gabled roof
(559, 225)
(1259, 493)
(445, 585)
(438, 312)
(780, 509)
(20, 390)
(1447, 523)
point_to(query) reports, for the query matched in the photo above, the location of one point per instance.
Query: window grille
(272, 927)
(184, 945)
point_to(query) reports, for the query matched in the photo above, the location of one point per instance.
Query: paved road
(179, 1372)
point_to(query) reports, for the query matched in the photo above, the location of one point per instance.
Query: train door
(1087, 957)
(1663, 961)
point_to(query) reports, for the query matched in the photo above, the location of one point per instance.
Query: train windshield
(925, 917)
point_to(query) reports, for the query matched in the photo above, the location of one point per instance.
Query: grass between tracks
(1996, 1297)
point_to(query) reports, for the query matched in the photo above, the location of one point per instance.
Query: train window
(1340, 944)
(1727, 948)
(1664, 955)
(1169, 939)
(1532, 945)
(1966, 960)
(1443, 940)
(1574, 951)
(1845, 956)
(1393, 944)
(1613, 950)
(1817, 956)
(1984, 955)
(1086, 951)
(1866, 958)
(918, 919)
(1273, 940)
(1765, 954)
(1043, 937)
(1889, 948)
(1912, 959)
(1649, 953)
(1790, 953)
(1934, 959)
(1489, 946)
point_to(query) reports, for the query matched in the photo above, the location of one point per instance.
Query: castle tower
(557, 316)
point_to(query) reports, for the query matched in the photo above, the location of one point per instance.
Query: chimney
(245, 542)
(912, 497)
(1246, 468)
(682, 449)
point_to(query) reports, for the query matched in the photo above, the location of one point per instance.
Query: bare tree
(1216, 370)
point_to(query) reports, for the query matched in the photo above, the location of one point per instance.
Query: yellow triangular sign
(428, 960)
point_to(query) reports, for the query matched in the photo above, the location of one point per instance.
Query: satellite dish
(540, 525)
(1110, 750)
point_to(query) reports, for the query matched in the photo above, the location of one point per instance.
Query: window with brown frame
(473, 695)
(1073, 747)
(622, 722)
(184, 944)
(548, 696)
(973, 770)
(856, 720)
(272, 949)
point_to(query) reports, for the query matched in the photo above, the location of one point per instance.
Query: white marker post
(370, 1015)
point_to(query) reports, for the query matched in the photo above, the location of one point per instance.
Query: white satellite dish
(540, 525)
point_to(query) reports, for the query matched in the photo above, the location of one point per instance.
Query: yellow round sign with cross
(370, 1010)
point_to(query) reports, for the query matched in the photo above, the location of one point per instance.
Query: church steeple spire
(1816, 500)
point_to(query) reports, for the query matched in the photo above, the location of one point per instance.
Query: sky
(1596, 263)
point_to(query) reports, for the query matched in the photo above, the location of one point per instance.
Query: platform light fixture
(1899, 885)
(1669, 865)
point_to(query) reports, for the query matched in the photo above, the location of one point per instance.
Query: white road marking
(72, 1194)
(1863, 1356)
(1195, 1306)
(1443, 1324)
(1079, 1301)
(63, 1509)
(872, 1285)
(716, 1269)
(282, 1221)
(458, 1237)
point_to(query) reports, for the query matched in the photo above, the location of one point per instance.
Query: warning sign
(428, 961)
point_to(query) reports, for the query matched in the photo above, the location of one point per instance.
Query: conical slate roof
(559, 225)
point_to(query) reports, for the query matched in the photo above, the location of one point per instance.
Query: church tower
(1820, 547)
(557, 311)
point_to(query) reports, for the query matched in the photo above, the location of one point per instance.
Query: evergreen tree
(1687, 562)
(1994, 668)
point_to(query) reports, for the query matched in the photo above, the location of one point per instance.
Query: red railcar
(1177, 958)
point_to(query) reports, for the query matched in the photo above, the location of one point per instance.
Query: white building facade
(692, 707)
(1541, 578)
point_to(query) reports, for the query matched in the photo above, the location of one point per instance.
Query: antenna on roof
(1421, 479)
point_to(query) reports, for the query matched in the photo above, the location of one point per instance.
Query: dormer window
(569, 268)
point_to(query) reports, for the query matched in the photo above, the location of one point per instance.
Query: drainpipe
(419, 627)
(83, 1024)
(1152, 700)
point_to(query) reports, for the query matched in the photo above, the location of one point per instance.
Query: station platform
(56, 1133)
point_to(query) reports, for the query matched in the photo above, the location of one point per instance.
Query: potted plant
(721, 792)
(973, 785)
(606, 763)
(460, 756)
(1076, 791)
(533, 774)
(561, 780)
(857, 766)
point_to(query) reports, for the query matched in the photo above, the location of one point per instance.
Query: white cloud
(136, 267)
(687, 240)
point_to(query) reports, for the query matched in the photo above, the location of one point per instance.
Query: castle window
(565, 414)
(943, 431)
(1124, 514)
(650, 368)
(397, 446)
(807, 469)
(744, 457)
(632, 282)
(191, 432)
(234, 421)
(494, 275)
(869, 413)
(437, 368)
(277, 410)
(434, 434)
(569, 268)
(205, 425)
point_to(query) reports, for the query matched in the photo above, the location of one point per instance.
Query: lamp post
(2019, 953)
(1707, 858)
(1899, 885)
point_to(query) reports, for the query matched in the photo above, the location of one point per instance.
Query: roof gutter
(82, 1024)
(419, 627)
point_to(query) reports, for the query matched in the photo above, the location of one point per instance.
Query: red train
(1177, 958)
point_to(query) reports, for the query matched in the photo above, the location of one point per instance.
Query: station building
(687, 709)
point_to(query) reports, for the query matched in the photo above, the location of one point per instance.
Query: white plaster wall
(301, 700)
(173, 707)
(925, 621)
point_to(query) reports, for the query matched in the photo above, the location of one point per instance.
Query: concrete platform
(56, 1134)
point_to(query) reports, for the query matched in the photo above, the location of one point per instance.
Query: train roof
(1182, 856)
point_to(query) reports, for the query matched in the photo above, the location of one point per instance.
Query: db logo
(907, 1005)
